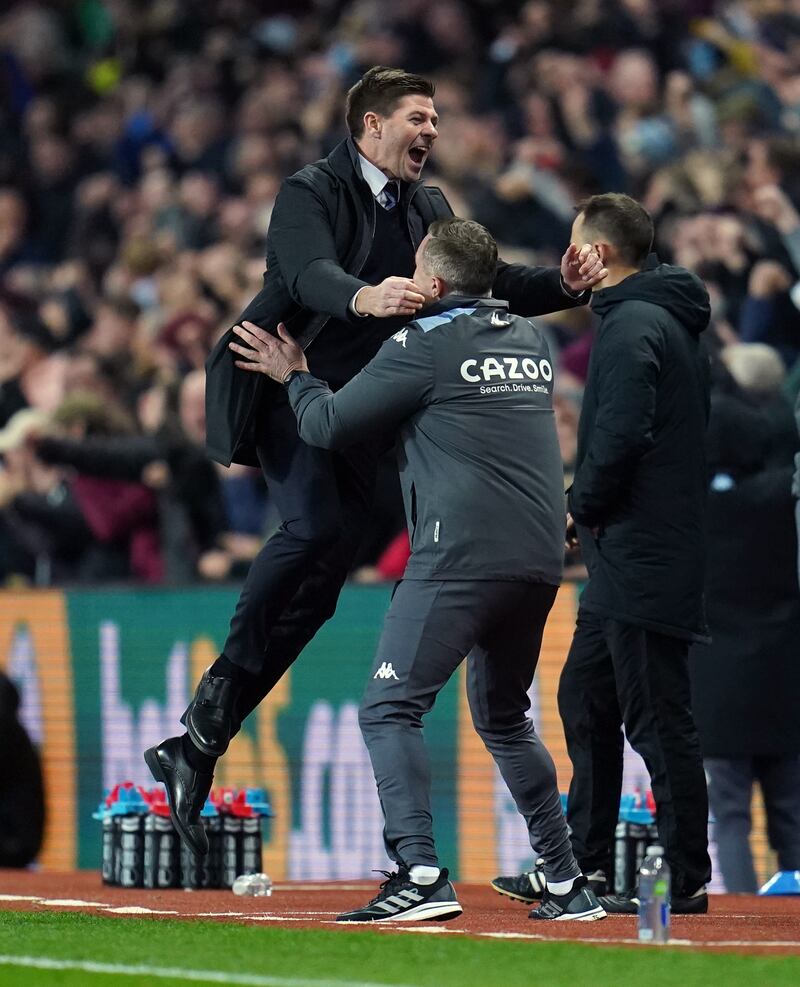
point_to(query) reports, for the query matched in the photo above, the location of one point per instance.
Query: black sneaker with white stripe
(578, 905)
(401, 900)
(527, 887)
(530, 886)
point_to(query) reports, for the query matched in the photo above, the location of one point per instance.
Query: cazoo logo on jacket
(506, 368)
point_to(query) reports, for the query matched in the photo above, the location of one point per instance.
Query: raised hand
(393, 296)
(772, 204)
(581, 268)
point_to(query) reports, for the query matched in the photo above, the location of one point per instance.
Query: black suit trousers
(323, 499)
(619, 674)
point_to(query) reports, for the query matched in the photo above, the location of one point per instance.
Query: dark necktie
(389, 196)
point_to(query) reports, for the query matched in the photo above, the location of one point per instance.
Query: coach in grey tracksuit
(467, 390)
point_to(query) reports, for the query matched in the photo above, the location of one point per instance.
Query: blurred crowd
(142, 143)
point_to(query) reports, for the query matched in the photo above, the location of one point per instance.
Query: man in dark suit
(340, 255)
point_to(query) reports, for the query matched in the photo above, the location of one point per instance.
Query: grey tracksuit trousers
(431, 625)
(730, 790)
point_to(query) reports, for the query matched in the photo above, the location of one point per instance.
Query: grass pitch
(78, 950)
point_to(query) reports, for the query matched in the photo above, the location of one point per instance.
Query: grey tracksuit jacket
(467, 390)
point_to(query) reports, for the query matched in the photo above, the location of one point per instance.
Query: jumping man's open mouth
(418, 153)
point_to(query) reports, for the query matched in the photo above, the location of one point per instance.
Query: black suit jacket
(319, 238)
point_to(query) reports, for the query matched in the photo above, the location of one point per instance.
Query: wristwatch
(291, 376)
(569, 292)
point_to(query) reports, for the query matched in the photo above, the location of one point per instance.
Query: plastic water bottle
(654, 896)
(253, 885)
(162, 853)
(231, 849)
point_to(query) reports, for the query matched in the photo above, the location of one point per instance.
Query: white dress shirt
(377, 182)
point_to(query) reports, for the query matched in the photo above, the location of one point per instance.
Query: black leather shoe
(187, 791)
(209, 716)
(628, 903)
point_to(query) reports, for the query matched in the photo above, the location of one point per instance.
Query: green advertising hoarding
(134, 658)
(105, 674)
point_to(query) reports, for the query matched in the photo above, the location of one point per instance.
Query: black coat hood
(677, 290)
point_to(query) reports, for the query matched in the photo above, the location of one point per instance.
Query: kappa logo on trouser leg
(386, 671)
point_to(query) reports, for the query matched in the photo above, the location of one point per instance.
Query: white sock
(560, 887)
(421, 874)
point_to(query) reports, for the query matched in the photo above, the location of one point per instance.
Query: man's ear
(605, 252)
(372, 125)
(439, 287)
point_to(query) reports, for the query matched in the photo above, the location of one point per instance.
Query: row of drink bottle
(635, 832)
(141, 849)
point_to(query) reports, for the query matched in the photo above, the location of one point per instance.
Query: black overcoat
(639, 489)
(319, 238)
(746, 683)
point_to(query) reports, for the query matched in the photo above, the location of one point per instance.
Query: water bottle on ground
(161, 852)
(204, 872)
(108, 853)
(654, 896)
(128, 809)
(231, 849)
(253, 885)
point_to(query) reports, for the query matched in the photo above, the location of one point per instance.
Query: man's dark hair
(463, 254)
(783, 154)
(379, 90)
(625, 223)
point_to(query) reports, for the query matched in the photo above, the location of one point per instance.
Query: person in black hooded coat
(637, 506)
(638, 501)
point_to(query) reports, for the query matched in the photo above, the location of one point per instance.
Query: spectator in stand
(29, 375)
(16, 246)
(759, 375)
(43, 533)
(120, 513)
(167, 463)
(152, 185)
(775, 208)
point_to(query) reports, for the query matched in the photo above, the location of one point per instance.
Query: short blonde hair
(463, 254)
(757, 368)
